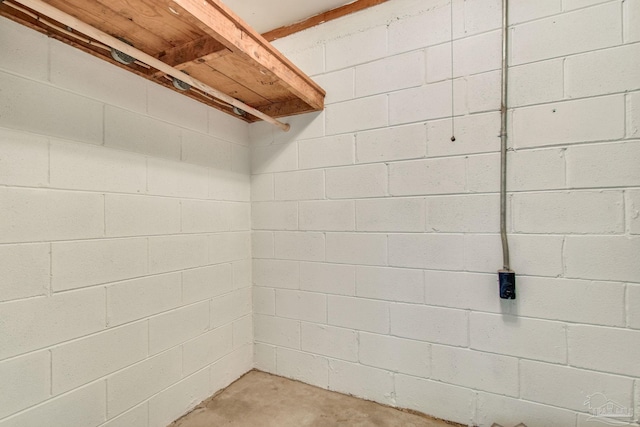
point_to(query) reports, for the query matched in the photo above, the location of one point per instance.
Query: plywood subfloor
(260, 399)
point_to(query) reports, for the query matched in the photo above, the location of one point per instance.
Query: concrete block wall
(375, 237)
(125, 246)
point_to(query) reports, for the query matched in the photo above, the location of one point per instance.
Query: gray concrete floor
(260, 399)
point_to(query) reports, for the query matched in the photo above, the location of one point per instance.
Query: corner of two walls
(125, 271)
(376, 238)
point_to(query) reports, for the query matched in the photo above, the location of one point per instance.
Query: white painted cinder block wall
(375, 238)
(125, 273)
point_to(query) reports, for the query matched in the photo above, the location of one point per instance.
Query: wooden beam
(321, 18)
(74, 23)
(217, 20)
(190, 51)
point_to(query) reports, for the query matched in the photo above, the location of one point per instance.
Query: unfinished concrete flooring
(260, 399)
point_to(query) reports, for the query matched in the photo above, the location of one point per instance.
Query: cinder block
(308, 306)
(262, 244)
(274, 216)
(276, 273)
(206, 349)
(631, 12)
(474, 369)
(78, 264)
(134, 132)
(131, 386)
(432, 251)
(632, 299)
(241, 159)
(136, 299)
(483, 92)
(573, 386)
(81, 362)
(172, 107)
(229, 185)
(168, 178)
(615, 349)
(305, 367)
(396, 143)
(372, 113)
(177, 253)
(356, 181)
(535, 170)
(477, 54)
(358, 313)
(537, 82)
(364, 381)
(328, 278)
(28, 378)
(136, 417)
(391, 284)
(432, 324)
(72, 69)
(328, 215)
(80, 408)
(408, 106)
(602, 257)
(274, 158)
(25, 52)
(206, 282)
(598, 303)
(508, 411)
(264, 357)
(481, 16)
(264, 301)
(467, 291)
(356, 48)
(242, 274)
(141, 216)
(179, 399)
(564, 34)
(390, 74)
(426, 29)
(395, 354)
(599, 212)
(539, 255)
(303, 126)
(438, 62)
(43, 109)
(199, 216)
(310, 60)
(25, 159)
(84, 167)
(37, 215)
(356, 248)
(225, 247)
(432, 176)
(262, 188)
(483, 173)
(40, 322)
(205, 150)
(477, 133)
(299, 246)
(406, 214)
(476, 214)
(604, 165)
(243, 331)
(329, 341)
(25, 271)
(240, 216)
(175, 327)
(530, 338)
(331, 151)
(229, 128)
(229, 307)
(230, 368)
(569, 122)
(602, 72)
(523, 10)
(340, 85)
(304, 185)
(277, 331)
(633, 115)
(436, 399)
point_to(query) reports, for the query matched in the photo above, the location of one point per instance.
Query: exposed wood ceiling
(204, 39)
